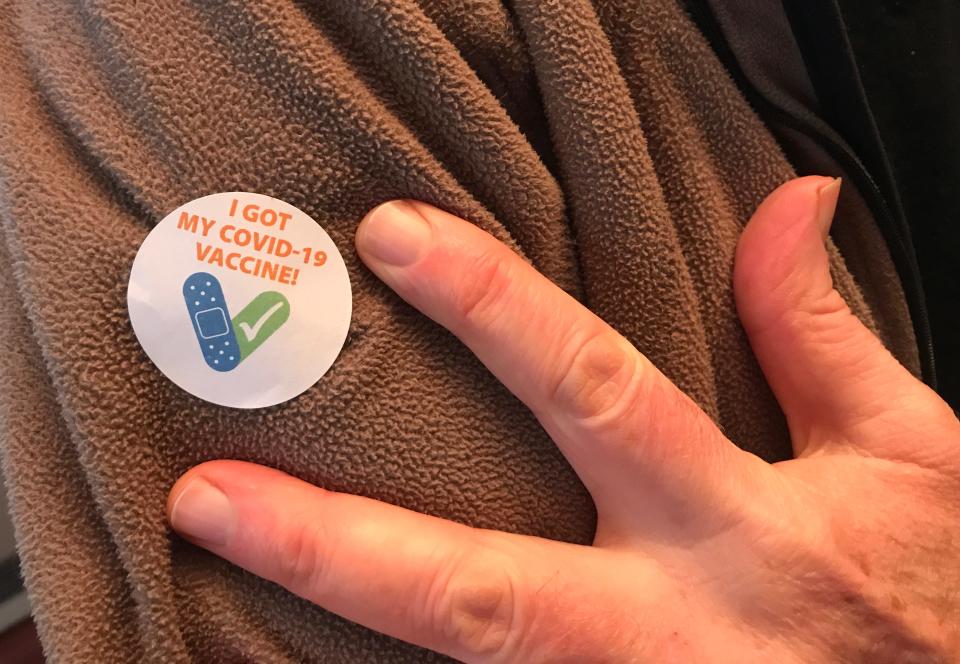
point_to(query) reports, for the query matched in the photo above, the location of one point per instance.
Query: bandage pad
(208, 312)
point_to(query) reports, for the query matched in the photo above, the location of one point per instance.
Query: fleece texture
(602, 140)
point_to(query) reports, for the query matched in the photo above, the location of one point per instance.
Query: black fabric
(759, 46)
(10, 582)
(821, 34)
(908, 55)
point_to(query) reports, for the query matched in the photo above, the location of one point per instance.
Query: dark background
(908, 55)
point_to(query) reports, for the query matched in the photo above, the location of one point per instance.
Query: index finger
(613, 414)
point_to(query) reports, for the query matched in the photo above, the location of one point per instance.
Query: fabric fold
(603, 141)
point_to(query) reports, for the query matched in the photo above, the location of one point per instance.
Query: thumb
(833, 377)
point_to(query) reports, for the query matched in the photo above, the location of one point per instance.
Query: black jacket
(875, 87)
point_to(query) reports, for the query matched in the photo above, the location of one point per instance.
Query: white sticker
(240, 299)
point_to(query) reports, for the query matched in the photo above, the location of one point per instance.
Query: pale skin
(703, 552)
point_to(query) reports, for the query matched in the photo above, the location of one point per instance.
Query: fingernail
(827, 197)
(394, 233)
(203, 512)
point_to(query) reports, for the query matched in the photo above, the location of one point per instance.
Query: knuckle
(820, 318)
(299, 558)
(824, 318)
(602, 379)
(480, 287)
(475, 608)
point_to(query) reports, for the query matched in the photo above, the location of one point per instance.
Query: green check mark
(257, 322)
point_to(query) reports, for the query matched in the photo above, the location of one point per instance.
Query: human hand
(703, 552)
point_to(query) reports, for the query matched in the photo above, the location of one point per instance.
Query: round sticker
(240, 299)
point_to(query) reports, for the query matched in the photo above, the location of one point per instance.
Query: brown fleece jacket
(603, 141)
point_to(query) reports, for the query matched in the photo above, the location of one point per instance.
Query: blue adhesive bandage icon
(212, 324)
